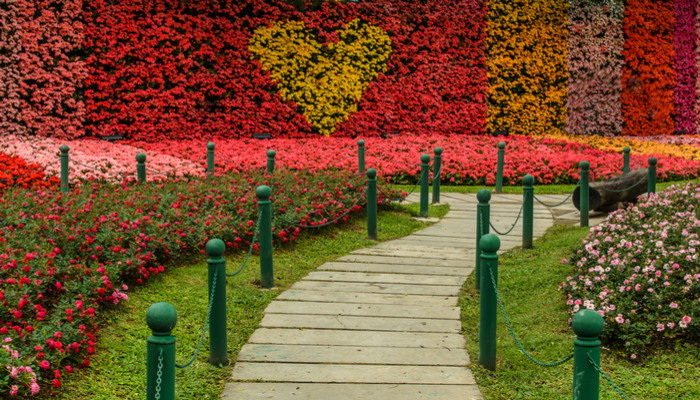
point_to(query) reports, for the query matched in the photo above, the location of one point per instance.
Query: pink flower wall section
(40, 69)
(595, 68)
(684, 38)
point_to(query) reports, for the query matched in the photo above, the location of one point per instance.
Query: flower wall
(527, 69)
(684, 37)
(648, 78)
(595, 68)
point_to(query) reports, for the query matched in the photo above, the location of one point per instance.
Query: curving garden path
(381, 322)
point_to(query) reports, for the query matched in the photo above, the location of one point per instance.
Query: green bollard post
(65, 186)
(361, 156)
(583, 192)
(371, 204)
(265, 208)
(651, 179)
(210, 159)
(626, 160)
(588, 325)
(425, 170)
(499, 168)
(160, 358)
(437, 173)
(488, 307)
(483, 211)
(271, 161)
(218, 347)
(141, 167)
(528, 210)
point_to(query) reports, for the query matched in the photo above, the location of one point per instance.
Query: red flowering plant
(639, 269)
(15, 171)
(64, 258)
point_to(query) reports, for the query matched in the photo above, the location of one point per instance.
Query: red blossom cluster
(172, 69)
(14, 171)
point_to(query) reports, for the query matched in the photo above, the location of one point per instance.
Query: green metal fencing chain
(337, 219)
(252, 243)
(206, 325)
(514, 223)
(619, 191)
(159, 380)
(510, 328)
(402, 198)
(604, 375)
(558, 204)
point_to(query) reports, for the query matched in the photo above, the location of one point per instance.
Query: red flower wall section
(170, 69)
(40, 71)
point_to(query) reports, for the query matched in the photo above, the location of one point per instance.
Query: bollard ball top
(652, 161)
(483, 195)
(161, 317)
(587, 323)
(361, 143)
(438, 151)
(501, 145)
(211, 145)
(528, 180)
(215, 248)
(584, 165)
(425, 159)
(263, 192)
(271, 153)
(626, 150)
(371, 173)
(141, 157)
(490, 243)
(64, 149)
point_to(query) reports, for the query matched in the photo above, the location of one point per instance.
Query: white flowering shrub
(639, 269)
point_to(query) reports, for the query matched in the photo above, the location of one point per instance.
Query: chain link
(558, 204)
(252, 243)
(620, 191)
(337, 219)
(159, 379)
(604, 375)
(402, 198)
(510, 328)
(206, 325)
(514, 223)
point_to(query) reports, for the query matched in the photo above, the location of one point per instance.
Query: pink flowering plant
(17, 377)
(65, 258)
(639, 269)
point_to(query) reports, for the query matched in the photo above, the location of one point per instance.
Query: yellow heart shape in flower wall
(326, 82)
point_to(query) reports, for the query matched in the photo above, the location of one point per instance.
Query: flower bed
(640, 270)
(64, 258)
(15, 172)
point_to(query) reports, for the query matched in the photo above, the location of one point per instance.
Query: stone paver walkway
(382, 322)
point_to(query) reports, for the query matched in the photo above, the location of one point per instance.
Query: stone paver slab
(316, 391)
(326, 373)
(397, 268)
(384, 288)
(363, 310)
(374, 251)
(368, 298)
(359, 258)
(352, 355)
(358, 338)
(385, 278)
(360, 323)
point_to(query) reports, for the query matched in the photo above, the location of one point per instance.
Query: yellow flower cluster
(636, 146)
(325, 82)
(526, 49)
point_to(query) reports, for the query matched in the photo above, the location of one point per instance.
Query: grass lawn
(528, 281)
(119, 369)
(548, 189)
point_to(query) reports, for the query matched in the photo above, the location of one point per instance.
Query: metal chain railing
(252, 244)
(343, 215)
(558, 204)
(620, 191)
(514, 223)
(605, 376)
(402, 198)
(206, 325)
(159, 378)
(510, 329)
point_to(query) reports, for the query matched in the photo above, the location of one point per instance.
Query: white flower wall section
(98, 160)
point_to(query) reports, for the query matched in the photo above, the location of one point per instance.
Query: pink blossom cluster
(595, 67)
(96, 159)
(668, 139)
(684, 38)
(639, 269)
(20, 379)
